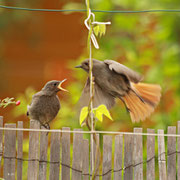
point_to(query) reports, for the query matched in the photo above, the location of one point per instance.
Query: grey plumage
(114, 80)
(45, 104)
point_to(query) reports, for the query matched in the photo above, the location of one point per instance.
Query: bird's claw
(47, 127)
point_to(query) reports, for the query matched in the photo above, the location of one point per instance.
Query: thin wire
(94, 10)
(88, 132)
(100, 175)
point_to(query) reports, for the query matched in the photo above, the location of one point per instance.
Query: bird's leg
(46, 126)
(127, 109)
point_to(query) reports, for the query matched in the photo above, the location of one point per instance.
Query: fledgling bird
(114, 80)
(45, 104)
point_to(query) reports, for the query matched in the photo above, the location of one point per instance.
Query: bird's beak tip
(61, 84)
(78, 66)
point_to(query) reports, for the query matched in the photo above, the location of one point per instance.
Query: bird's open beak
(79, 66)
(61, 84)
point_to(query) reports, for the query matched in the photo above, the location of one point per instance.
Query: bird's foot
(47, 127)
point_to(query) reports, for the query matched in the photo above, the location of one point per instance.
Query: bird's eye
(86, 64)
(55, 84)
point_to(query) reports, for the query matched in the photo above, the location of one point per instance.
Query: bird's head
(85, 64)
(54, 86)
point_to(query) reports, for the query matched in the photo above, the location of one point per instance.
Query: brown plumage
(45, 104)
(114, 80)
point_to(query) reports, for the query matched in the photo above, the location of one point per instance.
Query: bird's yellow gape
(61, 87)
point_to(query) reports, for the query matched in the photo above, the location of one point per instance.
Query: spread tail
(142, 100)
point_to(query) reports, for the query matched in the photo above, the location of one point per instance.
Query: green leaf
(83, 114)
(99, 29)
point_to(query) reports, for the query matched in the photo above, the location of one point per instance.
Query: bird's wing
(121, 69)
(100, 96)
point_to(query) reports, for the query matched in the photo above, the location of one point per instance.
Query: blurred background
(36, 47)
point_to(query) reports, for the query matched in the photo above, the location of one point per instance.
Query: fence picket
(178, 154)
(19, 151)
(1, 139)
(9, 152)
(118, 157)
(150, 167)
(54, 156)
(133, 155)
(171, 154)
(161, 156)
(43, 154)
(107, 157)
(33, 151)
(138, 155)
(65, 172)
(85, 162)
(128, 157)
(77, 156)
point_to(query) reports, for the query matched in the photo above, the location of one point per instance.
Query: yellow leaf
(100, 29)
(83, 114)
(103, 110)
(96, 30)
(98, 115)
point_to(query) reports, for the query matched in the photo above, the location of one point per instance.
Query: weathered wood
(43, 154)
(178, 154)
(19, 151)
(9, 152)
(171, 154)
(33, 151)
(128, 157)
(55, 156)
(65, 172)
(107, 157)
(1, 140)
(118, 157)
(77, 155)
(161, 156)
(85, 161)
(150, 168)
(138, 155)
(96, 157)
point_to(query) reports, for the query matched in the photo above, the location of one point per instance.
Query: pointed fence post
(118, 157)
(43, 154)
(107, 157)
(65, 166)
(55, 156)
(150, 168)
(1, 140)
(19, 151)
(85, 162)
(171, 154)
(128, 156)
(161, 156)
(9, 152)
(77, 155)
(33, 151)
(178, 153)
(138, 155)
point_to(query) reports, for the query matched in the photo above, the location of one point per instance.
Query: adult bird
(45, 104)
(114, 80)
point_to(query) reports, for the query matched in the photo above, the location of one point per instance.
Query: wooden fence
(122, 155)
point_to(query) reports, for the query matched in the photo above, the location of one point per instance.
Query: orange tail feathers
(139, 110)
